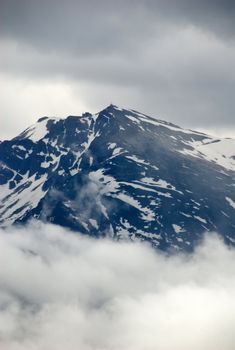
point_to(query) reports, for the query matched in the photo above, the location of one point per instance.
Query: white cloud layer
(61, 291)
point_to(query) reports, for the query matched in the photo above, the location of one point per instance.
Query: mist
(60, 290)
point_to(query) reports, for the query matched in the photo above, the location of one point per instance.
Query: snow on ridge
(170, 127)
(117, 108)
(37, 131)
(219, 151)
(133, 119)
(18, 203)
(91, 136)
(138, 117)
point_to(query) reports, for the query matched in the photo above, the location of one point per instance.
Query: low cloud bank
(61, 291)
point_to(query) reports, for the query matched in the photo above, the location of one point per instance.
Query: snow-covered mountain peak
(120, 173)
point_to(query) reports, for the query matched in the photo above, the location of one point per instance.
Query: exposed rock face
(123, 174)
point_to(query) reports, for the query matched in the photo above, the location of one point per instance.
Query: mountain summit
(122, 174)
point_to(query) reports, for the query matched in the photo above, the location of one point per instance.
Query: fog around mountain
(117, 227)
(64, 291)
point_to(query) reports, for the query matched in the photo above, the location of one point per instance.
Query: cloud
(24, 101)
(109, 26)
(64, 291)
(172, 60)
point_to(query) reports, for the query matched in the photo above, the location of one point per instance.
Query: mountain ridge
(123, 174)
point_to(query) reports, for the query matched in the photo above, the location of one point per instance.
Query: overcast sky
(171, 59)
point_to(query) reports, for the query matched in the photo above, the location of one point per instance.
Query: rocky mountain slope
(122, 174)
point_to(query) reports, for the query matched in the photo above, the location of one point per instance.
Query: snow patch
(219, 151)
(177, 228)
(200, 219)
(37, 131)
(231, 202)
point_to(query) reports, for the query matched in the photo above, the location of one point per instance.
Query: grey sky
(171, 59)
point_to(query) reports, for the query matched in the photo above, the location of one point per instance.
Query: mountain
(122, 174)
